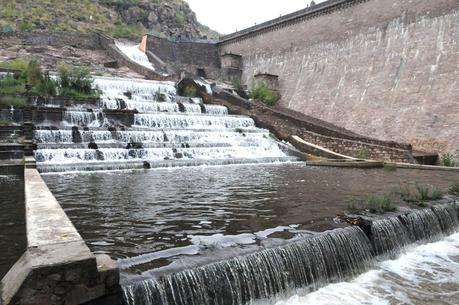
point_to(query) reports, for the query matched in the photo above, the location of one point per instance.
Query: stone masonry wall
(387, 69)
(189, 56)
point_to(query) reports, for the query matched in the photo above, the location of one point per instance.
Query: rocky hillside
(120, 18)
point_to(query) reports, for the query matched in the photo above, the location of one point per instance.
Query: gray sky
(225, 16)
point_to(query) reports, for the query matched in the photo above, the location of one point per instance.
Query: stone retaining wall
(186, 56)
(57, 268)
(56, 39)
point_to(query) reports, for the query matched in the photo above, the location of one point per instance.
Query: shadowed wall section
(382, 68)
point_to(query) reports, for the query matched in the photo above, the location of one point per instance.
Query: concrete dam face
(385, 69)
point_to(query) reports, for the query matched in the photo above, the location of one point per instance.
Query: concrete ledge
(58, 267)
(426, 167)
(347, 163)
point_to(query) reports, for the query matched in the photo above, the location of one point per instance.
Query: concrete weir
(57, 267)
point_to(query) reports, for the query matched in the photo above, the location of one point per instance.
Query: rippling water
(426, 274)
(157, 218)
(12, 224)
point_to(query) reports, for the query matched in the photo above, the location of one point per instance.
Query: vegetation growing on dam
(28, 78)
(390, 202)
(262, 93)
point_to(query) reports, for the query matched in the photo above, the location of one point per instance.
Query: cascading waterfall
(303, 265)
(390, 235)
(326, 257)
(143, 123)
(135, 54)
(83, 118)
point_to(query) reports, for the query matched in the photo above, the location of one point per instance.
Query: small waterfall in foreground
(144, 124)
(390, 235)
(320, 259)
(303, 265)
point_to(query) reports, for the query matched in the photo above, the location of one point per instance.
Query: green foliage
(448, 160)
(26, 26)
(33, 74)
(47, 87)
(454, 189)
(159, 96)
(425, 193)
(363, 154)
(261, 92)
(12, 85)
(189, 91)
(75, 82)
(4, 122)
(123, 30)
(239, 130)
(380, 205)
(237, 85)
(16, 101)
(16, 64)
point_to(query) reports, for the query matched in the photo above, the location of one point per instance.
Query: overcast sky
(227, 16)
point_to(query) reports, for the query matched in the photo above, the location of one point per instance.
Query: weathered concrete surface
(58, 267)
(388, 69)
(42, 211)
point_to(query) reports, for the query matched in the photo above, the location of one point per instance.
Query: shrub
(25, 26)
(47, 87)
(380, 205)
(454, 189)
(123, 30)
(12, 85)
(33, 74)
(189, 91)
(15, 101)
(262, 93)
(237, 85)
(159, 96)
(16, 64)
(75, 82)
(436, 194)
(448, 160)
(425, 193)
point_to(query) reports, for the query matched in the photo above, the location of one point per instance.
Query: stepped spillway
(306, 265)
(144, 124)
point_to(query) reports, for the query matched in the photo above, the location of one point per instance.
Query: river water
(162, 218)
(425, 274)
(12, 224)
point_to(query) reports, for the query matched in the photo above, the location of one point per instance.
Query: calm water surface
(12, 225)
(156, 217)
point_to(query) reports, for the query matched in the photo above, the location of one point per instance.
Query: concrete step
(12, 154)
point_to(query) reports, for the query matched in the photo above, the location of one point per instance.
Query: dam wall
(381, 68)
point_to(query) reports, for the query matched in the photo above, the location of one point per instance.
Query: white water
(166, 128)
(424, 275)
(135, 54)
